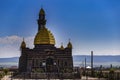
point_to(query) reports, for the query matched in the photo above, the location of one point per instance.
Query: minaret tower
(41, 20)
(43, 36)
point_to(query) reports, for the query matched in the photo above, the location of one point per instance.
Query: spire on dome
(44, 36)
(41, 20)
(62, 47)
(42, 12)
(69, 45)
(23, 44)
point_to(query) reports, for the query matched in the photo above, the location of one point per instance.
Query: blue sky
(90, 24)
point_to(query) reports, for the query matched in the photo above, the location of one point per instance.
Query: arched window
(65, 63)
(40, 64)
(33, 62)
(36, 62)
(49, 61)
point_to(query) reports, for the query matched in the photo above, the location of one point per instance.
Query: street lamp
(88, 68)
(44, 65)
(55, 63)
(85, 66)
(11, 75)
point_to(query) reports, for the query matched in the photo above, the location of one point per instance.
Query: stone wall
(51, 75)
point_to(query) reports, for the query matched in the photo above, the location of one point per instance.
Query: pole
(92, 63)
(85, 68)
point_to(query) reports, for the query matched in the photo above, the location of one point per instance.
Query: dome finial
(62, 47)
(61, 43)
(42, 12)
(69, 39)
(41, 6)
(69, 45)
(41, 21)
(23, 38)
(23, 44)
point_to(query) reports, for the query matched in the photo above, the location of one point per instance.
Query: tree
(111, 74)
(5, 71)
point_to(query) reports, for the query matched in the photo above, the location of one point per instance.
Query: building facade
(45, 56)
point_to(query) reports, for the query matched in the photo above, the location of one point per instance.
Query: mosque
(45, 57)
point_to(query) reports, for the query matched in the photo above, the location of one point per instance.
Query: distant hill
(13, 59)
(105, 60)
(98, 58)
(8, 62)
(77, 59)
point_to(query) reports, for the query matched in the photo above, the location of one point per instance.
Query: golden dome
(69, 45)
(44, 36)
(23, 44)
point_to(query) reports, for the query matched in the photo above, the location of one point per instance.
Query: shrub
(5, 71)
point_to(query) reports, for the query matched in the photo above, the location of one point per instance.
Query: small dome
(69, 45)
(42, 11)
(44, 36)
(23, 44)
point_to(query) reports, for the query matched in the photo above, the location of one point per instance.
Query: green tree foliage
(5, 71)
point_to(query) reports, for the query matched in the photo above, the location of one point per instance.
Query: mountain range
(78, 60)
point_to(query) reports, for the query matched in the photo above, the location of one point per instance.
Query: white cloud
(29, 42)
(9, 39)
(10, 47)
(9, 51)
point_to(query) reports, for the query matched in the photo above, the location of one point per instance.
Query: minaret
(43, 36)
(41, 21)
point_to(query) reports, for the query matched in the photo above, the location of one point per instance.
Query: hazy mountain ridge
(78, 60)
(12, 59)
(97, 58)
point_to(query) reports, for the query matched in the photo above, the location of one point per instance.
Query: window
(33, 63)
